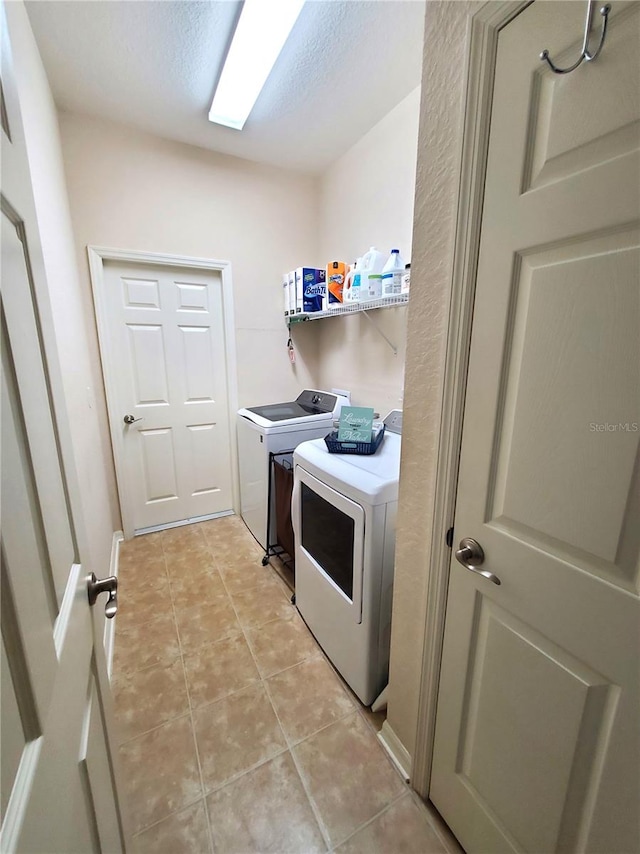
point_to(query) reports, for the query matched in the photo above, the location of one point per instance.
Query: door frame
(98, 255)
(42, 295)
(486, 24)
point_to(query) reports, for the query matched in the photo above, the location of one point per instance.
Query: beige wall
(73, 330)
(366, 199)
(447, 33)
(131, 190)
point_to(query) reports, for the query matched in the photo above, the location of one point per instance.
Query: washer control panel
(393, 421)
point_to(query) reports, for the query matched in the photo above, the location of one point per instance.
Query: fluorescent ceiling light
(262, 30)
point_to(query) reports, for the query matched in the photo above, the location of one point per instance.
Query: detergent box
(310, 288)
(336, 274)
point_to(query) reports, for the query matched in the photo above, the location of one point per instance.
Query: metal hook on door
(585, 55)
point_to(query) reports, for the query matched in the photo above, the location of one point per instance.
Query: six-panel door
(167, 363)
(538, 721)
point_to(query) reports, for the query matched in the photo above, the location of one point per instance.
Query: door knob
(471, 555)
(105, 585)
(129, 419)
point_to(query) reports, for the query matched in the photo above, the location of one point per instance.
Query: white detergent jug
(371, 264)
(353, 283)
(373, 261)
(392, 275)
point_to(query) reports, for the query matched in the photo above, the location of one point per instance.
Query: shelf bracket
(380, 332)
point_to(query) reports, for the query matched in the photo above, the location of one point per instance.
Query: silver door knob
(471, 555)
(104, 585)
(129, 419)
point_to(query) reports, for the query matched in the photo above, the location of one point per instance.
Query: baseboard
(192, 521)
(395, 748)
(110, 625)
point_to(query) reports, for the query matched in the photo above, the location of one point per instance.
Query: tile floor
(235, 733)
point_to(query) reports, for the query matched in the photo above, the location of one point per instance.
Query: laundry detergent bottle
(373, 261)
(351, 290)
(371, 265)
(392, 275)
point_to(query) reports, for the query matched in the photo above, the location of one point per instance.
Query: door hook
(585, 54)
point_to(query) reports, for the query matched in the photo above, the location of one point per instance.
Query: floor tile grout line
(315, 812)
(163, 556)
(167, 816)
(259, 628)
(293, 742)
(371, 820)
(178, 717)
(246, 640)
(314, 807)
(314, 657)
(165, 664)
(433, 823)
(126, 628)
(233, 693)
(190, 711)
(240, 774)
(422, 806)
(264, 679)
(131, 673)
(323, 727)
(153, 729)
(245, 635)
(275, 619)
(193, 727)
(290, 742)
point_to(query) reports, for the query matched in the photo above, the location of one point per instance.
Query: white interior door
(166, 365)
(58, 781)
(538, 720)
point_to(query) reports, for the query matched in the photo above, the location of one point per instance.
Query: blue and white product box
(285, 294)
(292, 293)
(311, 287)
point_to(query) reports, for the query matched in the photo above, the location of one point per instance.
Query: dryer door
(329, 531)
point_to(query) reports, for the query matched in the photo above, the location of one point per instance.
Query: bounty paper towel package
(310, 288)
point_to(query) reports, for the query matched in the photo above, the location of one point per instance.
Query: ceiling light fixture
(262, 30)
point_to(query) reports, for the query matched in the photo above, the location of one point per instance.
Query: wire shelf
(349, 308)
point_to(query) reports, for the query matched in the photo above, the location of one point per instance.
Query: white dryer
(272, 428)
(344, 511)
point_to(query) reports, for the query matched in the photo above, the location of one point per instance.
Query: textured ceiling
(154, 65)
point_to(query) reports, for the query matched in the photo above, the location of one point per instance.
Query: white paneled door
(538, 720)
(58, 789)
(166, 365)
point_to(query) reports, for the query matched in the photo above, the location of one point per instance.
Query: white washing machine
(268, 429)
(344, 511)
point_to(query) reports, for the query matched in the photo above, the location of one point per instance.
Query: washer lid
(309, 406)
(370, 479)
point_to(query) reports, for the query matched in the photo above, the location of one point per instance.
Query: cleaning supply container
(353, 282)
(375, 286)
(372, 261)
(336, 274)
(392, 275)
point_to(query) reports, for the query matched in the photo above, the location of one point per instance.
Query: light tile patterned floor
(236, 735)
